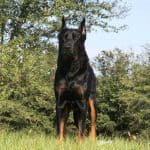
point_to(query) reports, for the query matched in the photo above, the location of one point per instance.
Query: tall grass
(22, 141)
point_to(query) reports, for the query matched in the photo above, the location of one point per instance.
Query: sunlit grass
(22, 141)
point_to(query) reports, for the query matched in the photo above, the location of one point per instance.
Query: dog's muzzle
(67, 50)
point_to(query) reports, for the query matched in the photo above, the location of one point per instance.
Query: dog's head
(71, 41)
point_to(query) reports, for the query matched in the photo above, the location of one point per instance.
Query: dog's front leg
(60, 125)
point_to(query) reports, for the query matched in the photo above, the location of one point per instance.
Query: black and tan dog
(75, 82)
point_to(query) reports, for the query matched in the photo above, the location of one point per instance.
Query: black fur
(75, 81)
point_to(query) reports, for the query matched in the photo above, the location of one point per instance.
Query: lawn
(33, 141)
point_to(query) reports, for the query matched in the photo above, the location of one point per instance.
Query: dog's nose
(67, 46)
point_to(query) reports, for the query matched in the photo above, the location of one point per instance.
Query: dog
(75, 82)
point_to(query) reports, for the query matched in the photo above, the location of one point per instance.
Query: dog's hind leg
(92, 112)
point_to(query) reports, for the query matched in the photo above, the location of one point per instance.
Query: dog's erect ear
(63, 23)
(82, 27)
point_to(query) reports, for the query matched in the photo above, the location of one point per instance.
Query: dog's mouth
(67, 53)
(68, 57)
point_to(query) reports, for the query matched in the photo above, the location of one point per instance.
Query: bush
(27, 98)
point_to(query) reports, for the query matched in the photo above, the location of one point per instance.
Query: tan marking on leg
(92, 133)
(61, 132)
(60, 88)
(80, 90)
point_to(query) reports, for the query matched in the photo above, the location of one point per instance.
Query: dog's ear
(63, 26)
(82, 27)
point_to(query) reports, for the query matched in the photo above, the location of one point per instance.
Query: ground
(34, 141)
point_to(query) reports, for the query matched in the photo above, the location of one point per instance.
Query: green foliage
(41, 18)
(27, 98)
(123, 93)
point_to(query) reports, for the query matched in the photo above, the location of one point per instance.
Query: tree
(113, 68)
(141, 103)
(122, 93)
(26, 88)
(41, 18)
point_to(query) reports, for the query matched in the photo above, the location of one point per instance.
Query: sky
(134, 37)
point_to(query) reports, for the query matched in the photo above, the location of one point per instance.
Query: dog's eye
(65, 36)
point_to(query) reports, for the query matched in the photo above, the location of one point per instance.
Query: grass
(32, 141)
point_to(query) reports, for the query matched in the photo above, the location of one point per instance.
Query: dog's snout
(67, 47)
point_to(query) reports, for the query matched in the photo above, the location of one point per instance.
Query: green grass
(22, 141)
